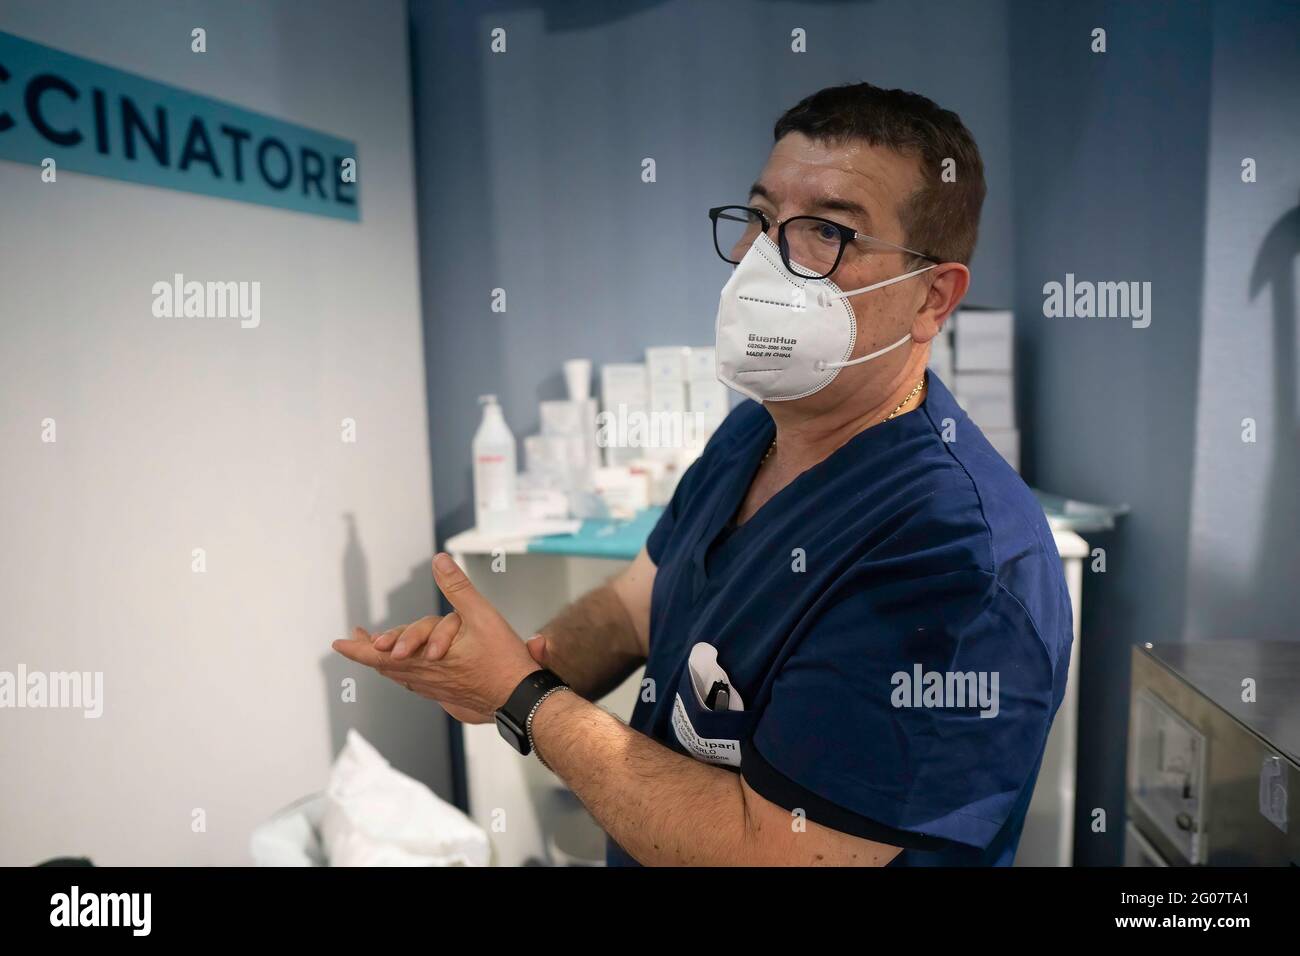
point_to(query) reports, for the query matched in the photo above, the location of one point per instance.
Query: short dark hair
(940, 219)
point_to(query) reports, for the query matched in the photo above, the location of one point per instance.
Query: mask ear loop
(823, 366)
(824, 299)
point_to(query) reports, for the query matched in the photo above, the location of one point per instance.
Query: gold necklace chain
(897, 408)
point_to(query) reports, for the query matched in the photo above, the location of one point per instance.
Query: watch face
(512, 735)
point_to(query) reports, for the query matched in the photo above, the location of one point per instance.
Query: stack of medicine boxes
(684, 383)
(706, 397)
(977, 363)
(624, 392)
(678, 389)
(666, 372)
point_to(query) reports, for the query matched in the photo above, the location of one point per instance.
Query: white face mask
(781, 336)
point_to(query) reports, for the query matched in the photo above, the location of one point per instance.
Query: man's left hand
(472, 661)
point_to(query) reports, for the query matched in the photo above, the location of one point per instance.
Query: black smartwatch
(514, 716)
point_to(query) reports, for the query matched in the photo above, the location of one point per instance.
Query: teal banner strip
(95, 119)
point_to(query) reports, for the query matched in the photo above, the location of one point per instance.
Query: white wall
(221, 692)
(1243, 557)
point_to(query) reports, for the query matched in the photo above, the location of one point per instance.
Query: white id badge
(712, 736)
(720, 750)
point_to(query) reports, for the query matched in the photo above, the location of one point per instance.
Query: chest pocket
(711, 736)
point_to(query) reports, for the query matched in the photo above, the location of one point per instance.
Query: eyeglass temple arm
(860, 236)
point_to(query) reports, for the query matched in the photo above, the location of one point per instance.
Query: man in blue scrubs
(852, 616)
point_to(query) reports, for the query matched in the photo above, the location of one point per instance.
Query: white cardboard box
(941, 354)
(702, 363)
(987, 397)
(625, 382)
(666, 363)
(1006, 442)
(617, 455)
(624, 391)
(984, 340)
(563, 417)
(624, 490)
(708, 397)
(668, 397)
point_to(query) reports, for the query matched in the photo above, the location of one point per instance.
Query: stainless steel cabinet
(1214, 755)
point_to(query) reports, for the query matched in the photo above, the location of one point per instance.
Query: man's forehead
(803, 172)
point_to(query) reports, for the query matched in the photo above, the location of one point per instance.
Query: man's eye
(828, 233)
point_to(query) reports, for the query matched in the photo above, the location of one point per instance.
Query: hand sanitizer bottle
(494, 471)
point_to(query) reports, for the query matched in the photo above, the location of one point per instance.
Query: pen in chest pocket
(714, 689)
(718, 697)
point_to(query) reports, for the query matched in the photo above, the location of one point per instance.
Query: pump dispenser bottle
(494, 471)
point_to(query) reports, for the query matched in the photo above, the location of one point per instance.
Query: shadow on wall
(410, 731)
(1260, 597)
(1277, 562)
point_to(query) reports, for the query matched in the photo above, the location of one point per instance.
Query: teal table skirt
(601, 538)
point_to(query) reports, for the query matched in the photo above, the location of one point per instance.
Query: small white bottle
(494, 471)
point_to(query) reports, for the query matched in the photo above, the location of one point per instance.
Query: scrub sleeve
(951, 773)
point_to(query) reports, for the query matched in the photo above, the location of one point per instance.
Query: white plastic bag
(371, 815)
(292, 836)
(377, 816)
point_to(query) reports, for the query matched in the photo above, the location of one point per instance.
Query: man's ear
(945, 291)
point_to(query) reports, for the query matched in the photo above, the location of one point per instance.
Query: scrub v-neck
(715, 548)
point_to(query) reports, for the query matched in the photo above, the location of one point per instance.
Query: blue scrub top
(911, 561)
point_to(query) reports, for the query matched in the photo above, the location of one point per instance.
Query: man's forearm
(592, 643)
(662, 807)
(667, 809)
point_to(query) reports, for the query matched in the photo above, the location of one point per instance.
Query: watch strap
(516, 713)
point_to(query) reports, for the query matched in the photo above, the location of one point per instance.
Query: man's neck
(804, 439)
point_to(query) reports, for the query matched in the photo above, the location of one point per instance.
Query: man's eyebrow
(825, 205)
(844, 205)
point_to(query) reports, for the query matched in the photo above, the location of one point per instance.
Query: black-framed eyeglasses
(810, 246)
